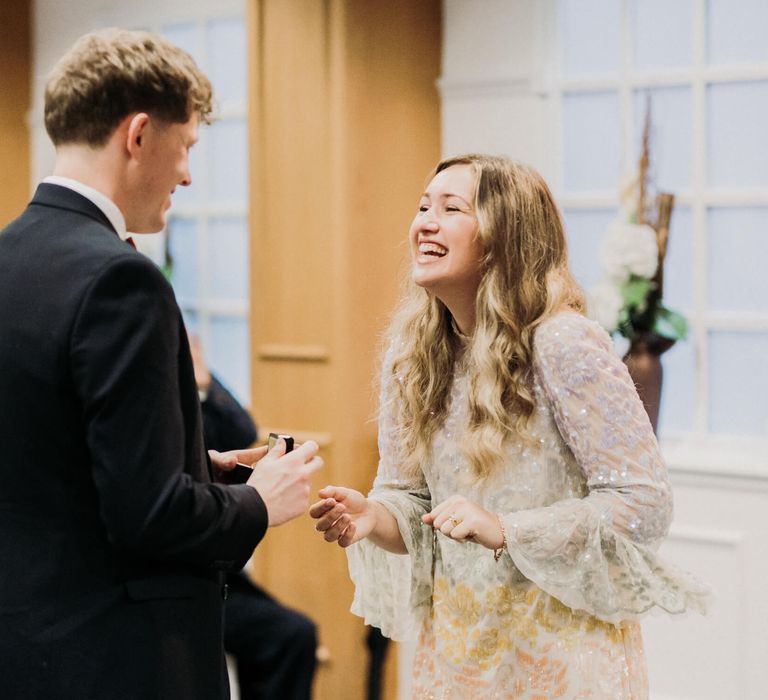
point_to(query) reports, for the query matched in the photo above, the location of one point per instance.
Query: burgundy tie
(130, 242)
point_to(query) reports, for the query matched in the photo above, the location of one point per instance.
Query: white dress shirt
(104, 203)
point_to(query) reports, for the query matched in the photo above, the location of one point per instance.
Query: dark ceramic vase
(643, 359)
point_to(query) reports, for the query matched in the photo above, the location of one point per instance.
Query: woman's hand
(343, 515)
(465, 521)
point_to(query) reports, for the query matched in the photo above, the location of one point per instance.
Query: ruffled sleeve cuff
(393, 591)
(606, 575)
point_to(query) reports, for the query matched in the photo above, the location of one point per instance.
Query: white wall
(494, 64)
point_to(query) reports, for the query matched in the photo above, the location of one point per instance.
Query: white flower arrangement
(627, 300)
(629, 249)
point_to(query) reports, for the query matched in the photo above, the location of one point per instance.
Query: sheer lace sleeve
(393, 591)
(598, 553)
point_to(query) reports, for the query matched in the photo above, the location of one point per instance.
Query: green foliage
(643, 312)
(670, 324)
(635, 293)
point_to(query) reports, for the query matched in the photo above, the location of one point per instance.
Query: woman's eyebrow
(444, 195)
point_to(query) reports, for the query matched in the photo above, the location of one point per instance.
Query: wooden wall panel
(15, 97)
(344, 127)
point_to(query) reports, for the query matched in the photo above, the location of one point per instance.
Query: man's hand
(224, 462)
(282, 480)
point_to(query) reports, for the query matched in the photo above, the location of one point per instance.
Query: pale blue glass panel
(662, 32)
(183, 249)
(590, 36)
(185, 36)
(229, 354)
(678, 393)
(738, 383)
(738, 251)
(228, 258)
(736, 31)
(191, 320)
(671, 139)
(227, 59)
(678, 266)
(738, 136)
(228, 154)
(592, 141)
(585, 229)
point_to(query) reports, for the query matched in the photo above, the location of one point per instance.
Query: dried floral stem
(664, 204)
(645, 163)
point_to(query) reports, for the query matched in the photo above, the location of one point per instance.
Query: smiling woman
(444, 241)
(520, 497)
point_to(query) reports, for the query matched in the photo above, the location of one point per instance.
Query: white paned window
(704, 66)
(208, 228)
(583, 21)
(663, 33)
(736, 31)
(737, 138)
(592, 139)
(584, 228)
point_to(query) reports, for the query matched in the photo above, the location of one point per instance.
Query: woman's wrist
(498, 551)
(385, 532)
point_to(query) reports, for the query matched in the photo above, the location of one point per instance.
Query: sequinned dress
(585, 509)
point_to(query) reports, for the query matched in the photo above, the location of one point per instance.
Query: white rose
(605, 304)
(629, 249)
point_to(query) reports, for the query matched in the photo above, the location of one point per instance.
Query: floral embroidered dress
(585, 509)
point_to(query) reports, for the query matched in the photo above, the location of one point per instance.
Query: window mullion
(700, 330)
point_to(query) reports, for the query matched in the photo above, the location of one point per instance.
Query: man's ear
(135, 133)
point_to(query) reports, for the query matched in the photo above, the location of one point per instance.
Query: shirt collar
(107, 206)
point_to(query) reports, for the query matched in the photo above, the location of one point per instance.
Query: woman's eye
(452, 209)
(423, 208)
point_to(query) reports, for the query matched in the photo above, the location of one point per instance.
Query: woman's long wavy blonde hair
(525, 280)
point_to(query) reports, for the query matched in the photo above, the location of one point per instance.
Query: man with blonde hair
(113, 537)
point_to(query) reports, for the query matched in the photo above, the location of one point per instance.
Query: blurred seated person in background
(274, 646)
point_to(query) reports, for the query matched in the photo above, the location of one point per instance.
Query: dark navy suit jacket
(113, 539)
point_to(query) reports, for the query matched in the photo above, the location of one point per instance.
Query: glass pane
(678, 394)
(184, 259)
(736, 31)
(228, 258)
(152, 245)
(662, 32)
(227, 59)
(230, 354)
(592, 140)
(678, 266)
(229, 156)
(585, 230)
(186, 37)
(670, 137)
(191, 320)
(738, 249)
(738, 383)
(590, 31)
(738, 137)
